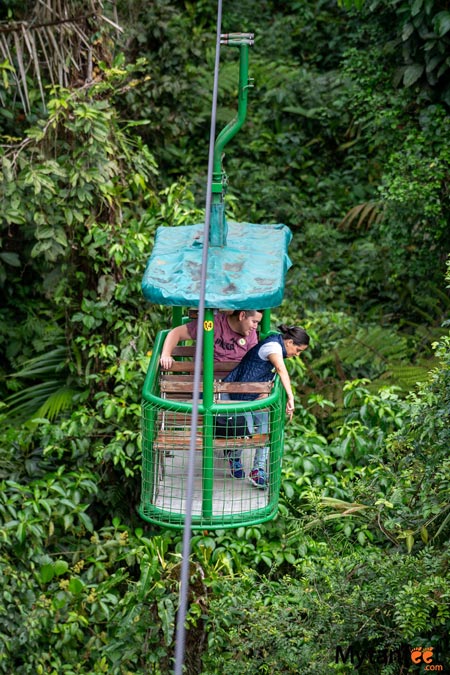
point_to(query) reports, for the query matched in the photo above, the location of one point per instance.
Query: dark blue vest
(254, 369)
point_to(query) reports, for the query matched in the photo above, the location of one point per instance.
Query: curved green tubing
(235, 124)
(218, 228)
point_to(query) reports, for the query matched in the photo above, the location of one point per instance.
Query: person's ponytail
(297, 334)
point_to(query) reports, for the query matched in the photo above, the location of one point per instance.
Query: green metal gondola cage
(246, 269)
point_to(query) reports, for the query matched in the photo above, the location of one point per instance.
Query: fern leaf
(365, 214)
(56, 403)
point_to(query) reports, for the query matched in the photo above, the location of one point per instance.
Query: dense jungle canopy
(104, 124)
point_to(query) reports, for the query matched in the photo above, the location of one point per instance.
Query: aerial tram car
(246, 268)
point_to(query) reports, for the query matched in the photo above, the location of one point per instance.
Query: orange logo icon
(425, 655)
(419, 654)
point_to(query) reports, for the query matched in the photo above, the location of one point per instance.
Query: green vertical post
(265, 323)
(208, 399)
(177, 316)
(150, 457)
(276, 426)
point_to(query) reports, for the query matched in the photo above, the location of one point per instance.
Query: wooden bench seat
(184, 362)
(177, 384)
(181, 440)
(184, 384)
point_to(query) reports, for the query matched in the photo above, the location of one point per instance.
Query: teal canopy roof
(248, 273)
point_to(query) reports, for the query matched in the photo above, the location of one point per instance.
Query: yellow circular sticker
(208, 325)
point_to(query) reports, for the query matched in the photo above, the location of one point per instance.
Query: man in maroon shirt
(234, 335)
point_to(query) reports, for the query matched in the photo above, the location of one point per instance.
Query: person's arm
(277, 361)
(176, 335)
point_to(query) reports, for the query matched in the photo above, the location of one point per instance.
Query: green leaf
(21, 532)
(59, 600)
(148, 574)
(417, 6)
(46, 573)
(45, 232)
(441, 23)
(87, 522)
(424, 534)
(408, 30)
(288, 489)
(362, 538)
(60, 236)
(409, 542)
(166, 613)
(76, 586)
(207, 542)
(412, 74)
(10, 259)
(68, 521)
(89, 321)
(308, 466)
(61, 567)
(41, 246)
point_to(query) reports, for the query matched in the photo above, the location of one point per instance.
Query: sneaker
(236, 468)
(258, 478)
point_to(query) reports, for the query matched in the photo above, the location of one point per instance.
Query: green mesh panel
(220, 500)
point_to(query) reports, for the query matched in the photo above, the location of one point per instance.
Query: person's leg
(260, 459)
(234, 453)
(258, 474)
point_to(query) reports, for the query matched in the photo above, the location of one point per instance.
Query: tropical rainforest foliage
(104, 128)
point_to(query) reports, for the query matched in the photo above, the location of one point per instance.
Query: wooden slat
(189, 366)
(180, 367)
(186, 386)
(170, 418)
(178, 386)
(184, 350)
(181, 440)
(243, 388)
(168, 379)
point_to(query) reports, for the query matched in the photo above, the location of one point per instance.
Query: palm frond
(44, 363)
(49, 390)
(362, 216)
(47, 399)
(54, 43)
(59, 401)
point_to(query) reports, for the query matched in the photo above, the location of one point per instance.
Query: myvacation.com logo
(425, 655)
(405, 655)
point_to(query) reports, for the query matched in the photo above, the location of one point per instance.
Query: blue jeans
(257, 422)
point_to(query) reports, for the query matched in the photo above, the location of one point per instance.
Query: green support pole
(177, 316)
(236, 123)
(208, 399)
(265, 323)
(218, 228)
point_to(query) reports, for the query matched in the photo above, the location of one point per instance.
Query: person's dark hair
(297, 334)
(248, 312)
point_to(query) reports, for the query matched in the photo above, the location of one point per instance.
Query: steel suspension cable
(180, 637)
